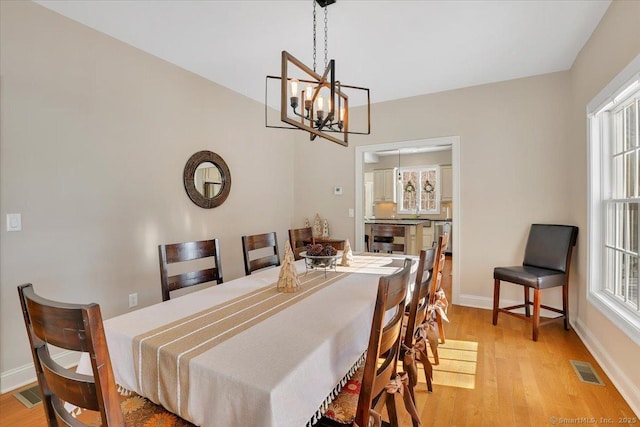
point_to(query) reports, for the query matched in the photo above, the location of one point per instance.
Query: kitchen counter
(399, 221)
(413, 239)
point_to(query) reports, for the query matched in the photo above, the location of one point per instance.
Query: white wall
(94, 138)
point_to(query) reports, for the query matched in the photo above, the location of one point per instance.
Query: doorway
(369, 150)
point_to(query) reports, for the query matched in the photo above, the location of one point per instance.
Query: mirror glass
(207, 179)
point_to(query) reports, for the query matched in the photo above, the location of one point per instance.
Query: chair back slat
(188, 251)
(255, 243)
(192, 278)
(75, 327)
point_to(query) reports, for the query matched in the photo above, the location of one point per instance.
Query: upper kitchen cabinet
(384, 185)
(446, 183)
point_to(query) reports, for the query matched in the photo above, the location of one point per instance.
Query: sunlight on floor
(457, 368)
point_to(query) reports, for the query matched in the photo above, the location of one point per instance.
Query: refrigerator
(441, 227)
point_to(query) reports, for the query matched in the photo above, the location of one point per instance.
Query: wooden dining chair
(76, 327)
(260, 242)
(378, 374)
(297, 239)
(412, 348)
(188, 251)
(382, 237)
(547, 262)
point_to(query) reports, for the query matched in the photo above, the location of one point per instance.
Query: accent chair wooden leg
(527, 302)
(536, 313)
(565, 305)
(496, 300)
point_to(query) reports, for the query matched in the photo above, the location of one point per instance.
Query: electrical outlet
(14, 222)
(133, 300)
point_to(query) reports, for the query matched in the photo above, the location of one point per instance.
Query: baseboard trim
(24, 375)
(629, 391)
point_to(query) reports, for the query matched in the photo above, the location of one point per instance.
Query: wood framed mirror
(207, 179)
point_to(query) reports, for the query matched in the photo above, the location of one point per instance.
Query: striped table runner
(162, 355)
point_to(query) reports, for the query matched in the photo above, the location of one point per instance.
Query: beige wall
(513, 160)
(94, 138)
(614, 43)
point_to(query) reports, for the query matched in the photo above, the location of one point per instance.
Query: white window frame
(600, 134)
(419, 190)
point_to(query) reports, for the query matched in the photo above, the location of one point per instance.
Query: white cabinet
(427, 237)
(384, 185)
(446, 183)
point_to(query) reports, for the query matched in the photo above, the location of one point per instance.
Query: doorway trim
(454, 142)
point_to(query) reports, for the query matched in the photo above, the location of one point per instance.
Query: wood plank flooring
(488, 376)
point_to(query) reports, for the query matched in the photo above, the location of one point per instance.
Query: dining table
(242, 354)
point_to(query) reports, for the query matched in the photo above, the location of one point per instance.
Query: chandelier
(318, 104)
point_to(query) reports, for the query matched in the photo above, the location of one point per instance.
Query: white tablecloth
(277, 373)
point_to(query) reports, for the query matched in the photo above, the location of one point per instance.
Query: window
(614, 208)
(420, 192)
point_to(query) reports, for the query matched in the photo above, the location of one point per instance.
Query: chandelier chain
(314, 35)
(326, 32)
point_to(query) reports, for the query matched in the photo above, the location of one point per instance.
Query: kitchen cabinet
(446, 183)
(384, 185)
(427, 236)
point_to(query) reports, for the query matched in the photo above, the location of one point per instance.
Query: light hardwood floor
(488, 376)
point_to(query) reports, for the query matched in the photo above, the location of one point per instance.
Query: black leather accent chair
(547, 261)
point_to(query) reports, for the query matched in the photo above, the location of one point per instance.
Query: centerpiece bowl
(318, 257)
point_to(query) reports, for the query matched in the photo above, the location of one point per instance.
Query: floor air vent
(29, 397)
(586, 373)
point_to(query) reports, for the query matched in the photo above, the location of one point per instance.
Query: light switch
(14, 222)
(351, 213)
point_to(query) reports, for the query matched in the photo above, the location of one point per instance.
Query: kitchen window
(419, 190)
(614, 206)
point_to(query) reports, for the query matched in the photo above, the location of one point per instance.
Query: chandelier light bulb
(294, 94)
(320, 103)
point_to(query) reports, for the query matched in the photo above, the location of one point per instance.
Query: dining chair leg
(536, 313)
(440, 328)
(414, 422)
(391, 410)
(527, 301)
(565, 305)
(496, 300)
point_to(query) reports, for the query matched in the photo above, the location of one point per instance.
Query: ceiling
(397, 48)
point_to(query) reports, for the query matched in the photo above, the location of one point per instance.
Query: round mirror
(207, 179)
